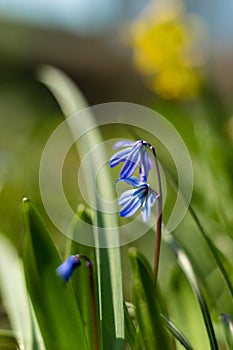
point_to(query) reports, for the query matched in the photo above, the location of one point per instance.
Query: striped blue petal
(126, 196)
(152, 197)
(131, 163)
(123, 143)
(133, 181)
(130, 207)
(146, 210)
(145, 165)
(149, 202)
(119, 157)
(136, 192)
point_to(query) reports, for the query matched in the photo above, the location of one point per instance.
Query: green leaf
(186, 267)
(82, 290)
(7, 338)
(218, 257)
(176, 333)
(228, 329)
(108, 262)
(15, 296)
(54, 303)
(130, 331)
(151, 330)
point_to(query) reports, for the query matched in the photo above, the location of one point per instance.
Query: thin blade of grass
(15, 296)
(152, 334)
(130, 330)
(108, 263)
(8, 339)
(216, 254)
(82, 290)
(228, 329)
(54, 303)
(176, 333)
(186, 267)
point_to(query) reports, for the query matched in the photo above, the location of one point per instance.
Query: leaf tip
(132, 252)
(25, 204)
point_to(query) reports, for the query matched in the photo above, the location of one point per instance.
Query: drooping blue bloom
(66, 269)
(141, 196)
(134, 154)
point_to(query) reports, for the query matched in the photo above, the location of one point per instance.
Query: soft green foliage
(58, 315)
(151, 334)
(228, 330)
(108, 263)
(17, 303)
(195, 278)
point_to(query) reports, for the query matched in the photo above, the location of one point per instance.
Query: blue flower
(66, 269)
(141, 196)
(134, 154)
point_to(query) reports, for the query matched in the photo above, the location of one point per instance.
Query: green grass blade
(216, 254)
(15, 296)
(176, 333)
(82, 290)
(8, 340)
(54, 303)
(130, 330)
(228, 329)
(108, 262)
(152, 332)
(186, 266)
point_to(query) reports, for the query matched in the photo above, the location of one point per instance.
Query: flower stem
(159, 217)
(93, 300)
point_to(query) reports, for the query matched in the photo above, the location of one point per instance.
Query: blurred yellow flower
(166, 50)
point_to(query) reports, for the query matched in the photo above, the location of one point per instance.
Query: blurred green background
(171, 56)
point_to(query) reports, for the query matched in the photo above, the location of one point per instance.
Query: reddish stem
(159, 217)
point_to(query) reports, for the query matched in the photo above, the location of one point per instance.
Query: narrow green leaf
(108, 262)
(176, 333)
(228, 330)
(54, 303)
(130, 330)
(15, 296)
(186, 267)
(216, 254)
(82, 290)
(7, 338)
(152, 333)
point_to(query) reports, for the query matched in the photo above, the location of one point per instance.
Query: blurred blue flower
(135, 154)
(66, 269)
(142, 196)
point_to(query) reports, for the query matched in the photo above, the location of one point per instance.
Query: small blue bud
(66, 269)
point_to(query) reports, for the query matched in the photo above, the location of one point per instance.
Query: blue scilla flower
(141, 196)
(66, 269)
(134, 154)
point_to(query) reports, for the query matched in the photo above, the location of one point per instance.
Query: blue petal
(131, 207)
(146, 210)
(123, 143)
(130, 194)
(149, 202)
(152, 197)
(133, 181)
(130, 163)
(119, 157)
(66, 269)
(126, 196)
(145, 166)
